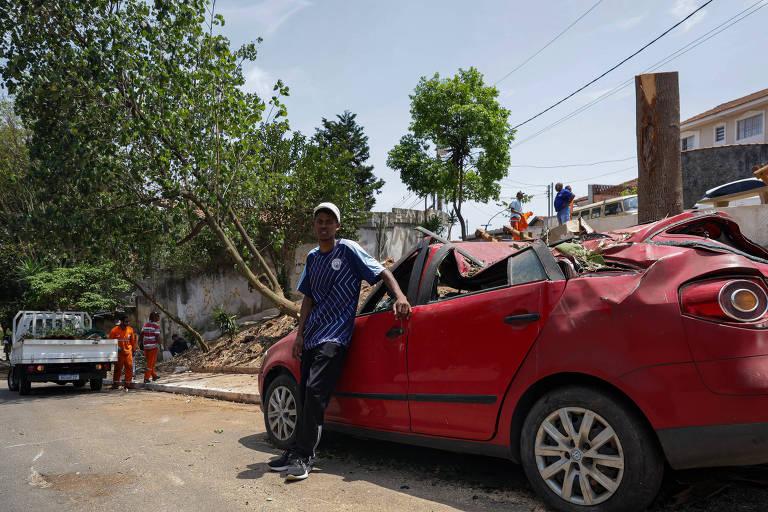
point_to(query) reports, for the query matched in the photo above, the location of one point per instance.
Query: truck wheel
(25, 386)
(13, 381)
(96, 384)
(281, 409)
(584, 450)
(79, 383)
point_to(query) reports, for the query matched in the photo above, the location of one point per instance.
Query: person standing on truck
(127, 344)
(331, 287)
(149, 341)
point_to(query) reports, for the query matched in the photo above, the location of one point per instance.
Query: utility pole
(660, 178)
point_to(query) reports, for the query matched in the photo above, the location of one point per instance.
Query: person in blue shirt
(563, 203)
(331, 287)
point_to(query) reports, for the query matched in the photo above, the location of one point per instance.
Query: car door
(372, 391)
(464, 348)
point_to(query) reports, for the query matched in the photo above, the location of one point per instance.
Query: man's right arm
(306, 308)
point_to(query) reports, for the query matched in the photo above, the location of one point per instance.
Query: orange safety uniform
(127, 343)
(150, 338)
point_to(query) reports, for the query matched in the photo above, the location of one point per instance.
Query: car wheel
(13, 381)
(96, 384)
(281, 410)
(583, 450)
(25, 386)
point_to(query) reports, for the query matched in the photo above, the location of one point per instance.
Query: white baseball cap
(328, 206)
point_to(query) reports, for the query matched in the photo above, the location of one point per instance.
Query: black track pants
(320, 370)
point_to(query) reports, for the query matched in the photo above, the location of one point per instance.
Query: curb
(217, 394)
(246, 370)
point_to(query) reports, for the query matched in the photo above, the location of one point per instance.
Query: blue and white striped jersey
(332, 280)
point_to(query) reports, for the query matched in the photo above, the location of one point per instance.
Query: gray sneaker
(281, 463)
(299, 469)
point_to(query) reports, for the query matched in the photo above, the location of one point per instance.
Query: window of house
(749, 127)
(720, 133)
(595, 213)
(612, 209)
(687, 143)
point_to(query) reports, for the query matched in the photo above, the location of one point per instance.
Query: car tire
(615, 451)
(25, 385)
(281, 407)
(96, 384)
(13, 381)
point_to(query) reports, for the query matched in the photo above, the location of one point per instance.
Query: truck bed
(42, 351)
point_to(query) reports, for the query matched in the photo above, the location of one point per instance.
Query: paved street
(64, 449)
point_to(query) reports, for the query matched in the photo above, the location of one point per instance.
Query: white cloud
(628, 23)
(259, 81)
(268, 15)
(683, 8)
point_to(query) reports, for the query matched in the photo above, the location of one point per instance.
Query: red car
(592, 364)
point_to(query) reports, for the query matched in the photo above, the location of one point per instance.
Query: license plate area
(69, 376)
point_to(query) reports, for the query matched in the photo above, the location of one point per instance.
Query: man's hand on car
(402, 308)
(298, 346)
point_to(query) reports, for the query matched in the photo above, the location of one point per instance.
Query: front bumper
(715, 445)
(54, 377)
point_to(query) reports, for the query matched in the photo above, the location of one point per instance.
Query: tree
(140, 108)
(458, 141)
(346, 138)
(303, 172)
(88, 288)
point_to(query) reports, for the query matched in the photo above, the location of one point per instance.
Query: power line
(575, 165)
(566, 29)
(670, 29)
(669, 58)
(601, 175)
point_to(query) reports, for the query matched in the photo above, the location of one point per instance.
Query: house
(740, 121)
(726, 143)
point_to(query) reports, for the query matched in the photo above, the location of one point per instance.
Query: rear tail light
(729, 300)
(35, 368)
(102, 366)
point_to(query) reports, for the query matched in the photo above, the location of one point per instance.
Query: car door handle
(522, 318)
(395, 332)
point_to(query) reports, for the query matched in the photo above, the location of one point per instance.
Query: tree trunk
(457, 210)
(660, 180)
(284, 304)
(198, 337)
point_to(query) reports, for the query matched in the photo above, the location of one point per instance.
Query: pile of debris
(244, 349)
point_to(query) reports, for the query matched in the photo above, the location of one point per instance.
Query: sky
(367, 56)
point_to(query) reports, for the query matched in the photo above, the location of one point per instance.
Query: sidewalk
(238, 387)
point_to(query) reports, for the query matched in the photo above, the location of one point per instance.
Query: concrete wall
(709, 167)
(194, 297)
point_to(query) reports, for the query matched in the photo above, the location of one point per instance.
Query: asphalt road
(63, 449)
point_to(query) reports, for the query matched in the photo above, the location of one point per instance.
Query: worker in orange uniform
(127, 344)
(149, 341)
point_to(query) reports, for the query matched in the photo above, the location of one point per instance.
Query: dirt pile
(245, 348)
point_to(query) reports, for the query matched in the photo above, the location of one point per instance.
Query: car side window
(450, 283)
(378, 297)
(525, 267)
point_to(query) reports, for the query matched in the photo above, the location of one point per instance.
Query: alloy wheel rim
(282, 413)
(579, 456)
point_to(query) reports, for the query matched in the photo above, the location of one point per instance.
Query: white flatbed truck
(34, 358)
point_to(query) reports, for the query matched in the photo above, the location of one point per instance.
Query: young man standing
(149, 341)
(331, 287)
